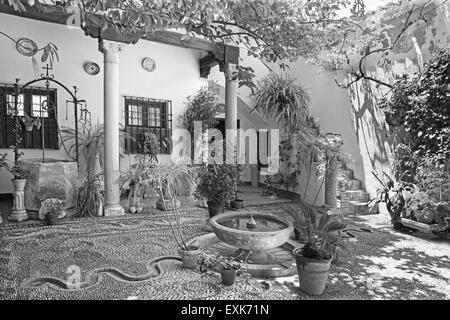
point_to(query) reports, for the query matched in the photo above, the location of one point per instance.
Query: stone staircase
(352, 198)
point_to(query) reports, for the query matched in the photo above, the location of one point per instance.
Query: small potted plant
(226, 266)
(314, 258)
(51, 217)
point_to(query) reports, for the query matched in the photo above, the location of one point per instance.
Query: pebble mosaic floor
(378, 265)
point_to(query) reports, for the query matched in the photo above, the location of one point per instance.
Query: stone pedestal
(18, 211)
(53, 179)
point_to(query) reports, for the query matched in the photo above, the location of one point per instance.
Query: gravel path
(378, 265)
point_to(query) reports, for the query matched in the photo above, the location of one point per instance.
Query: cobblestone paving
(378, 265)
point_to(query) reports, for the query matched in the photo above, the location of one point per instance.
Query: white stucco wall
(176, 75)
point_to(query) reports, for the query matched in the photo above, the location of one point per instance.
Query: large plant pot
(168, 204)
(228, 276)
(189, 258)
(237, 204)
(214, 209)
(57, 179)
(312, 274)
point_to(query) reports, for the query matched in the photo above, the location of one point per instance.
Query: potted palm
(314, 258)
(226, 266)
(168, 180)
(237, 203)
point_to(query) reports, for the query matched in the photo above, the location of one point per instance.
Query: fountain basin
(270, 232)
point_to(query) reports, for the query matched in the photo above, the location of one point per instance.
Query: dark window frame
(137, 125)
(30, 140)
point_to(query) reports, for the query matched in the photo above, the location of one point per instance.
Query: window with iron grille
(144, 115)
(30, 102)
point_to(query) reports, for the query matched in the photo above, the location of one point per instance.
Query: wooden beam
(54, 15)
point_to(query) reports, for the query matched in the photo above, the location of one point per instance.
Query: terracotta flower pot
(228, 276)
(312, 273)
(168, 204)
(190, 257)
(214, 209)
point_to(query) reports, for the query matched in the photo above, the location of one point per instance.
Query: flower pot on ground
(190, 257)
(166, 204)
(228, 276)
(314, 258)
(216, 182)
(312, 273)
(237, 204)
(226, 266)
(51, 217)
(214, 209)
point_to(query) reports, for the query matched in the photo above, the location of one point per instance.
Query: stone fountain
(258, 239)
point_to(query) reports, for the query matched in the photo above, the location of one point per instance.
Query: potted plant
(314, 258)
(226, 266)
(216, 183)
(51, 217)
(168, 180)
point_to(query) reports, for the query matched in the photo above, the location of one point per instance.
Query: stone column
(19, 213)
(111, 108)
(231, 87)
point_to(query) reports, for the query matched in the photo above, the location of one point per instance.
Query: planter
(312, 274)
(189, 258)
(214, 209)
(237, 204)
(57, 179)
(52, 219)
(19, 212)
(228, 276)
(168, 204)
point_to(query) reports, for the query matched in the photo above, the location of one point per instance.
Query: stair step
(355, 195)
(353, 184)
(362, 208)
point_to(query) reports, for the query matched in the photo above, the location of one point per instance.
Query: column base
(18, 216)
(112, 210)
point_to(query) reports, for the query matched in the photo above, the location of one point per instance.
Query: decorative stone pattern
(53, 179)
(48, 204)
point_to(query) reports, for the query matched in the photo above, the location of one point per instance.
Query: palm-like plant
(282, 99)
(171, 181)
(317, 229)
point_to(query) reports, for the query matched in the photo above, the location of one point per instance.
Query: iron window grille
(29, 102)
(144, 115)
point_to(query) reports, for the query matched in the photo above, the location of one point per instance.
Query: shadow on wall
(371, 131)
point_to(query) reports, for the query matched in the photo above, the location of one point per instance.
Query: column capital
(111, 50)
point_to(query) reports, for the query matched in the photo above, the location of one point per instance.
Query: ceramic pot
(190, 257)
(52, 219)
(228, 276)
(312, 273)
(237, 204)
(214, 209)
